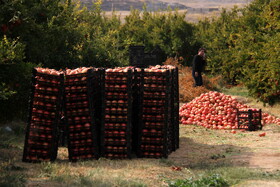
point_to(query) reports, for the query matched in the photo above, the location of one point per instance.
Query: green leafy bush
(11, 51)
(210, 181)
(169, 31)
(15, 77)
(5, 93)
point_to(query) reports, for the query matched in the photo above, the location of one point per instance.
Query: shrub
(213, 181)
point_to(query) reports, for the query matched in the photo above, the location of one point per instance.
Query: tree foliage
(244, 47)
(169, 31)
(62, 33)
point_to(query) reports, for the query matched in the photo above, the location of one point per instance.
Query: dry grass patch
(186, 83)
(136, 172)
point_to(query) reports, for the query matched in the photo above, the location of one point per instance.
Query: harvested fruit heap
(108, 113)
(217, 111)
(45, 107)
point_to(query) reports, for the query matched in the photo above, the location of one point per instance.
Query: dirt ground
(264, 154)
(241, 149)
(218, 147)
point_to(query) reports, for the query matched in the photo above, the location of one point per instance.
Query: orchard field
(242, 44)
(243, 67)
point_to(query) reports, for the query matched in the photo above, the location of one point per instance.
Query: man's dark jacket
(198, 64)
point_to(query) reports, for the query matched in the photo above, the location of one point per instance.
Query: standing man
(199, 63)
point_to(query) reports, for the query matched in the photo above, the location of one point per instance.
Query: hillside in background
(126, 5)
(195, 8)
(153, 5)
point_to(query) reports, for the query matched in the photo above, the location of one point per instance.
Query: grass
(239, 174)
(236, 91)
(203, 153)
(136, 172)
(11, 174)
(213, 180)
(241, 93)
(90, 173)
(225, 176)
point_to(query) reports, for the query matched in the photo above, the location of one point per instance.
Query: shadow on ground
(194, 155)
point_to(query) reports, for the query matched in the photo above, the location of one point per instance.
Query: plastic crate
(176, 107)
(249, 119)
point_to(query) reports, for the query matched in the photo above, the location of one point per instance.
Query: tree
(243, 46)
(168, 30)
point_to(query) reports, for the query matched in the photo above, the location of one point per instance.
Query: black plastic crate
(249, 119)
(41, 140)
(136, 56)
(137, 84)
(172, 108)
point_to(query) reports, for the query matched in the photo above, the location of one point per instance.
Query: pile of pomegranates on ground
(217, 111)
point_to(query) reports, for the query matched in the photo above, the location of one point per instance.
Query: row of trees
(242, 43)
(244, 46)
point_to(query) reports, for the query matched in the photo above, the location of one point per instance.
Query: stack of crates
(154, 139)
(44, 117)
(249, 119)
(174, 106)
(116, 133)
(81, 93)
(137, 84)
(113, 113)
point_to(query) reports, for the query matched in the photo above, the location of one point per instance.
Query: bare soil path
(264, 154)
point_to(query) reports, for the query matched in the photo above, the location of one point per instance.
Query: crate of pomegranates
(44, 116)
(81, 85)
(154, 123)
(116, 122)
(249, 119)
